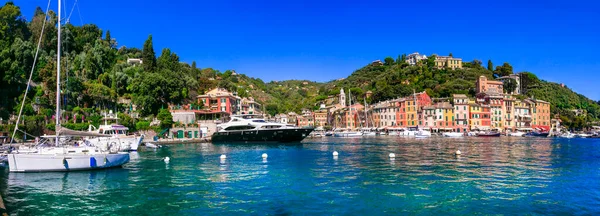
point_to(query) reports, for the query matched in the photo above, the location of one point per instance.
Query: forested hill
(96, 75)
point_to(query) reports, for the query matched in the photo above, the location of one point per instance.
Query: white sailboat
(62, 157)
(349, 133)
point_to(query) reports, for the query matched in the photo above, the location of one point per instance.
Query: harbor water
(507, 175)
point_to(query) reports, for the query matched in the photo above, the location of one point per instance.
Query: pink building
(461, 112)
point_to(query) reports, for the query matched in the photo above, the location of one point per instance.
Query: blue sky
(324, 40)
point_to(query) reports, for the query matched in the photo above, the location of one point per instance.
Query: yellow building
(321, 118)
(412, 119)
(448, 62)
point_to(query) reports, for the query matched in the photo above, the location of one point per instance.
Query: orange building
(541, 115)
(488, 86)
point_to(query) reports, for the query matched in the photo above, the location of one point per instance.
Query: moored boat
(252, 128)
(489, 134)
(452, 134)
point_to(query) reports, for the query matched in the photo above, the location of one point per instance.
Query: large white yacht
(253, 128)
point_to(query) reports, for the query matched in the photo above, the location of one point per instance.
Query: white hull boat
(423, 134)
(55, 160)
(348, 134)
(516, 134)
(370, 134)
(567, 135)
(453, 134)
(393, 133)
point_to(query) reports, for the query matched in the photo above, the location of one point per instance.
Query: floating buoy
(223, 157)
(264, 155)
(335, 153)
(458, 152)
(167, 159)
(392, 155)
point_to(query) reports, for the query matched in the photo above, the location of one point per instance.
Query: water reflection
(539, 176)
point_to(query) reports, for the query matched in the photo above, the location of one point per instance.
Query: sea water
(507, 175)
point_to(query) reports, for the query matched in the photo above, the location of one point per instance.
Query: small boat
(537, 134)
(152, 145)
(453, 134)
(567, 135)
(423, 134)
(489, 134)
(582, 135)
(329, 133)
(370, 134)
(348, 134)
(517, 134)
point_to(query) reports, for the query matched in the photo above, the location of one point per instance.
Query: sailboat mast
(58, 75)
(366, 116)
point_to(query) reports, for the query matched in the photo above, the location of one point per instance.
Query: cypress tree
(490, 65)
(148, 56)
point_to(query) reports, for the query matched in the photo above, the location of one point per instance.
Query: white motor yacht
(118, 136)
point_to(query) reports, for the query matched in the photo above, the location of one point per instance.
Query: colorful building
(444, 113)
(483, 85)
(461, 112)
(486, 121)
(448, 62)
(221, 100)
(541, 115)
(307, 119)
(321, 117)
(509, 113)
(249, 106)
(522, 115)
(428, 118)
(496, 103)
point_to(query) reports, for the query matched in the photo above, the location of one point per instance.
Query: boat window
(271, 126)
(260, 120)
(241, 127)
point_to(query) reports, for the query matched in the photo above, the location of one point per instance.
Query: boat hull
(489, 135)
(453, 134)
(280, 135)
(63, 163)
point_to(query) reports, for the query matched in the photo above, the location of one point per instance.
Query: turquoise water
(532, 176)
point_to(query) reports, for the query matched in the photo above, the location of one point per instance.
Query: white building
(413, 58)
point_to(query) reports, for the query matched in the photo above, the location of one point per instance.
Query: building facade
(414, 58)
(461, 112)
(221, 100)
(483, 85)
(448, 62)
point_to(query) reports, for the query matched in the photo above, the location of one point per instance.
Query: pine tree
(490, 65)
(148, 56)
(107, 39)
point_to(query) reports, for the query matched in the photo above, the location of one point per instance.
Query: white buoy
(167, 159)
(264, 155)
(335, 153)
(458, 152)
(223, 157)
(392, 155)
